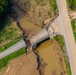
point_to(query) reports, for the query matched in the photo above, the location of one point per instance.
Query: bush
(72, 4)
(54, 6)
(5, 6)
(74, 28)
(60, 41)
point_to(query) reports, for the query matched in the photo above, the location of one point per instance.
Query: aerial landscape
(37, 37)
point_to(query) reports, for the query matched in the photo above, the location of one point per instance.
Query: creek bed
(49, 57)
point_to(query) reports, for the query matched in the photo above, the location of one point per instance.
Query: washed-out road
(65, 29)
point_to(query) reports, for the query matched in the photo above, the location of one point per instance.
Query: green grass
(71, 4)
(8, 30)
(54, 6)
(60, 41)
(10, 44)
(73, 28)
(4, 61)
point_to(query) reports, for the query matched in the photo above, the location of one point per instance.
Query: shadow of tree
(4, 22)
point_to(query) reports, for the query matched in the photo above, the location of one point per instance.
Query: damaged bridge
(39, 37)
(29, 42)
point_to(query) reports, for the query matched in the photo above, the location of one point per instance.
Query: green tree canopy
(3, 4)
(4, 7)
(72, 4)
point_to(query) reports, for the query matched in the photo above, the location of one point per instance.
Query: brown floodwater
(46, 50)
(30, 26)
(48, 54)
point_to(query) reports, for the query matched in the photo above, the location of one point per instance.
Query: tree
(72, 4)
(4, 7)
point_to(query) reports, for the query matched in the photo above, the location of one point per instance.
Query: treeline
(5, 6)
(72, 4)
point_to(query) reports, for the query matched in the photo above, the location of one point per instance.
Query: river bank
(52, 59)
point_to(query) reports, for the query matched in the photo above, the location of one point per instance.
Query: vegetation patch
(71, 4)
(9, 44)
(9, 31)
(4, 61)
(54, 6)
(73, 24)
(60, 41)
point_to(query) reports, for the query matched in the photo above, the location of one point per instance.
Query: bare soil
(9, 33)
(24, 65)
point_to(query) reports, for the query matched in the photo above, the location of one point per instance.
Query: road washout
(43, 61)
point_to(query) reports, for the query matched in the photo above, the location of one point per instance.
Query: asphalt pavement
(13, 48)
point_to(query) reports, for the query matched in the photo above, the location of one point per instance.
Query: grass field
(60, 41)
(4, 61)
(73, 24)
(8, 31)
(47, 53)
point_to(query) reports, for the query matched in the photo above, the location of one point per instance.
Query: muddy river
(48, 54)
(46, 50)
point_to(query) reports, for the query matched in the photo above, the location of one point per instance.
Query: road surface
(13, 48)
(66, 30)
